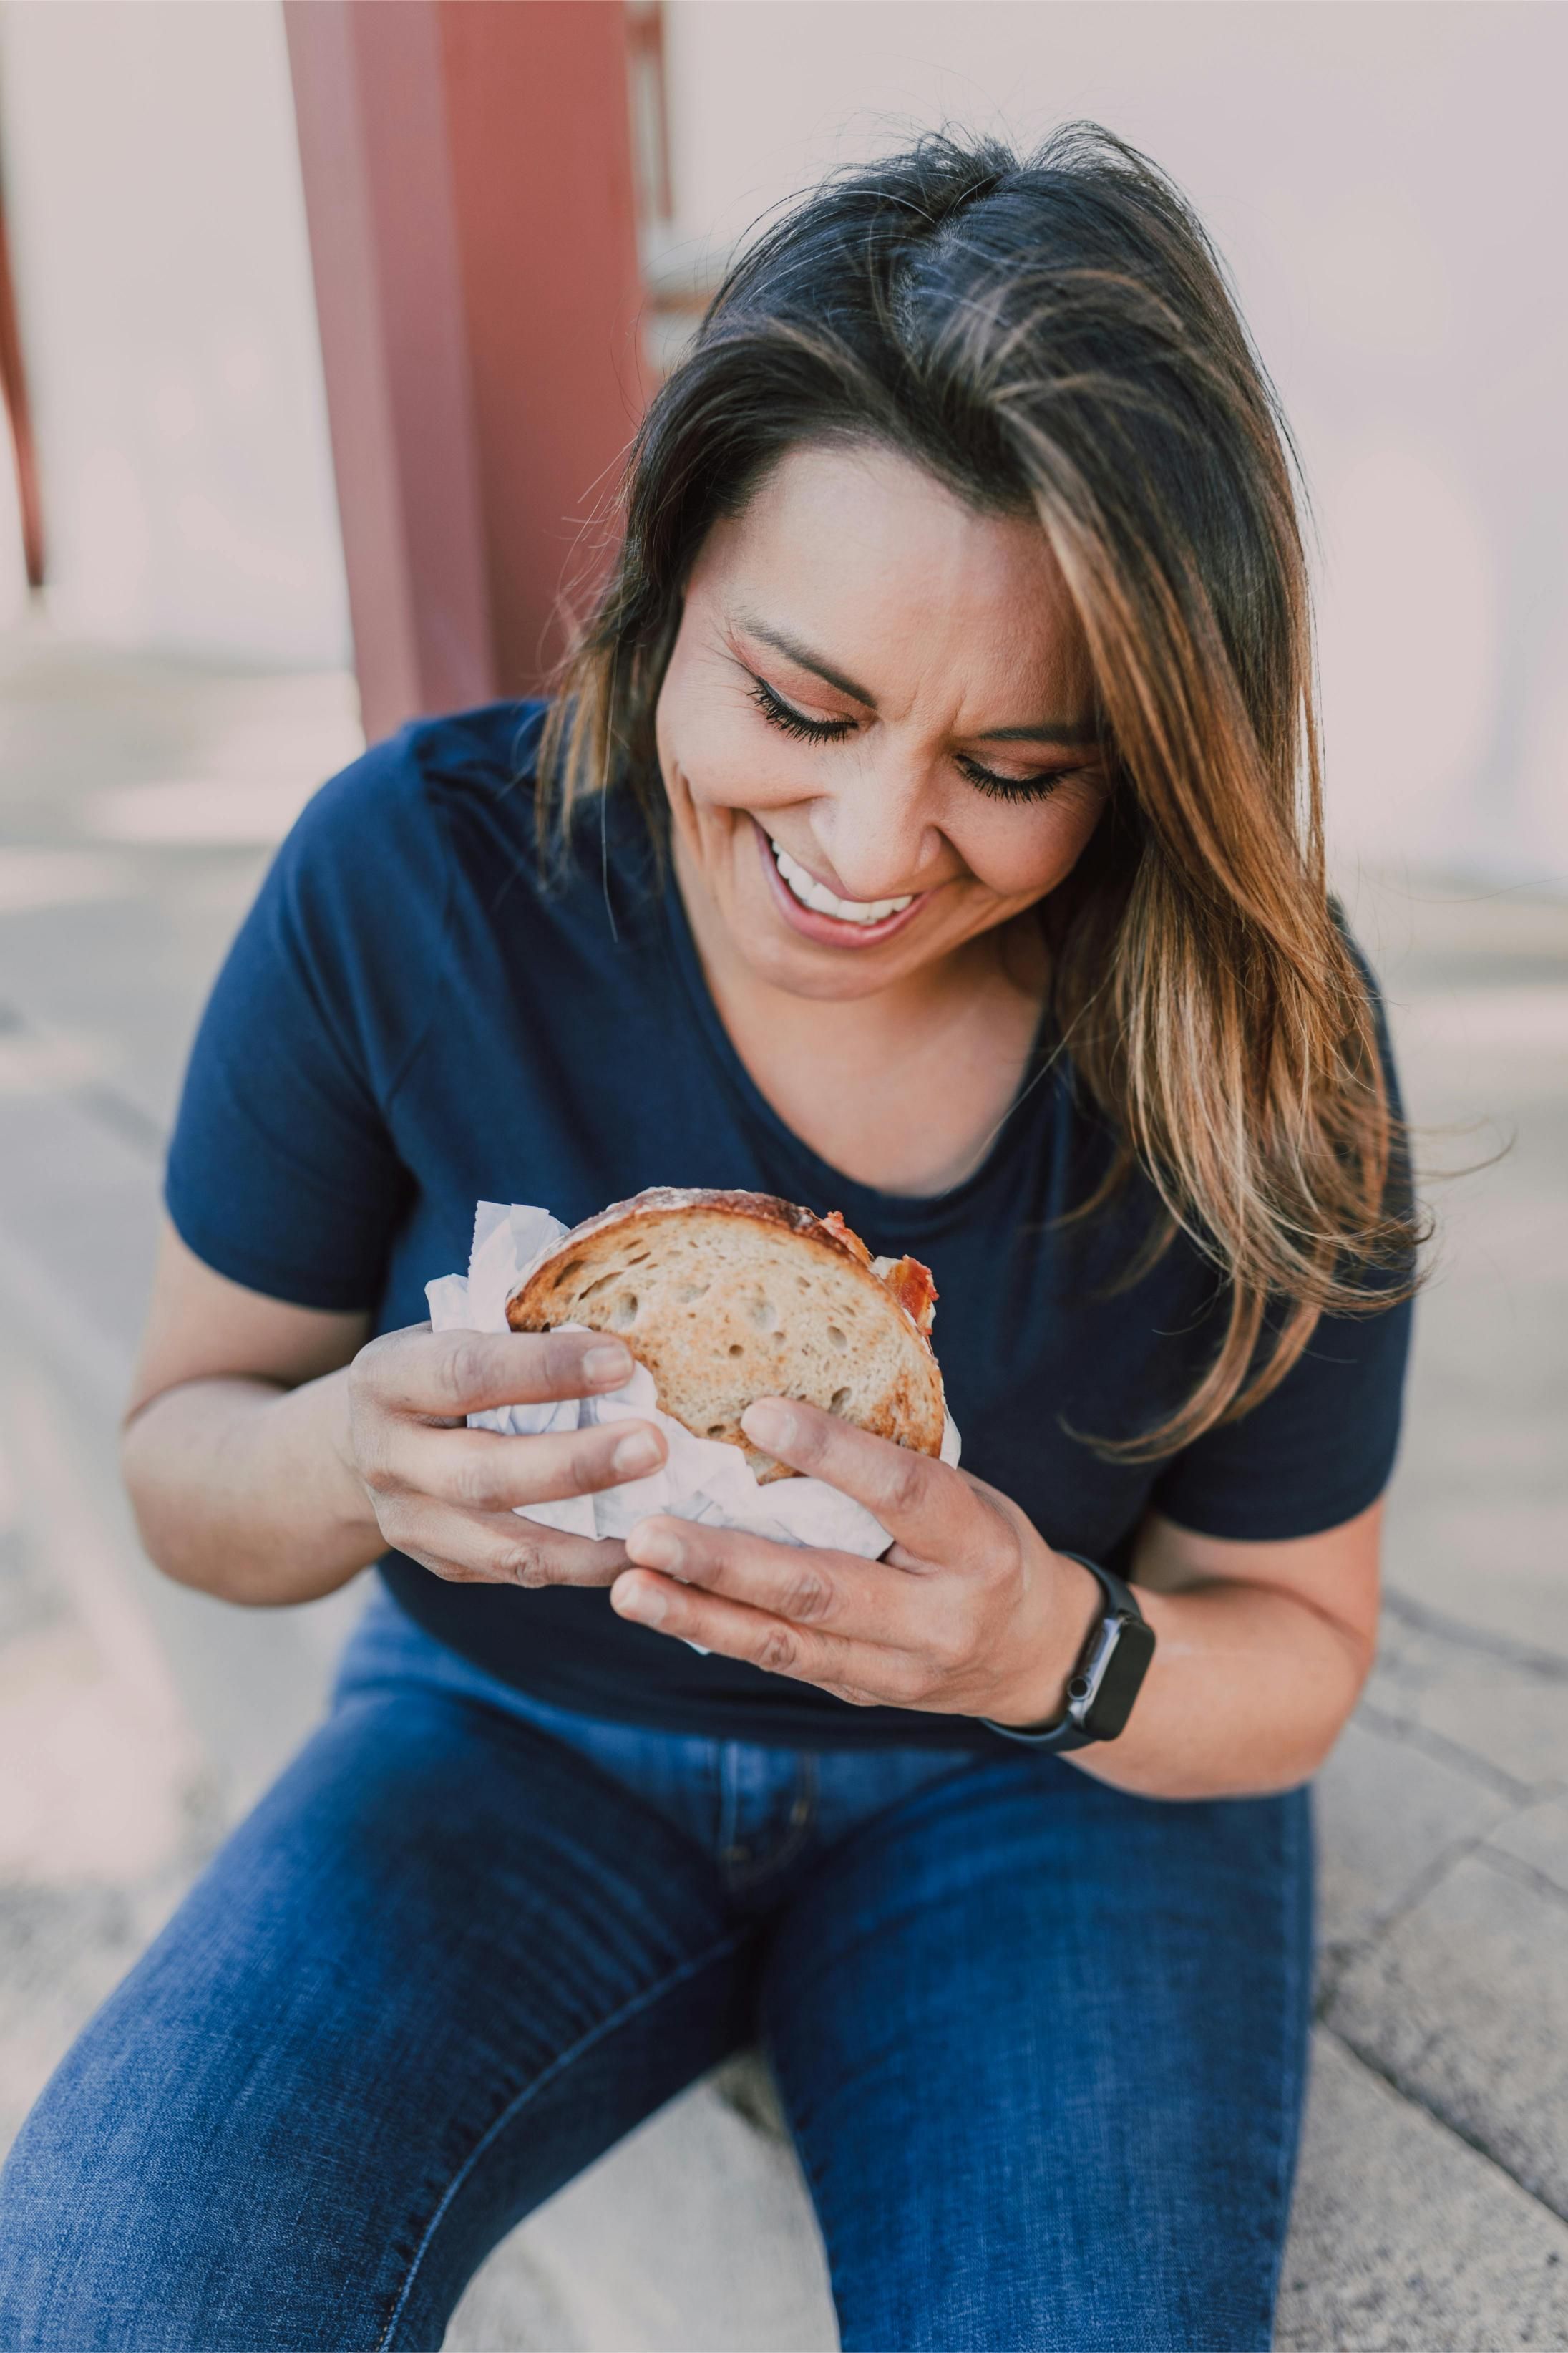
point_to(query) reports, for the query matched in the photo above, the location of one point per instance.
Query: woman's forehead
(866, 559)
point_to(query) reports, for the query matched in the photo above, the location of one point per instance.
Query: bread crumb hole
(838, 1400)
(715, 1430)
(591, 1288)
(686, 1292)
(624, 1311)
(572, 1266)
(736, 1349)
(839, 1338)
(763, 1312)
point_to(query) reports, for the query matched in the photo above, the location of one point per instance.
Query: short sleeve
(1315, 1453)
(283, 1173)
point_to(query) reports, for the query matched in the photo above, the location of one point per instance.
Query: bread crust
(744, 1295)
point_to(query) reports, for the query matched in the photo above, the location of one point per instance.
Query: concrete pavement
(136, 1720)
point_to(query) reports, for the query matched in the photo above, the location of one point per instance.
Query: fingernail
(638, 1451)
(655, 1549)
(644, 1602)
(607, 1363)
(770, 1422)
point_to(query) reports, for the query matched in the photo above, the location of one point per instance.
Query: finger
(802, 1653)
(482, 1470)
(498, 1548)
(925, 1504)
(859, 1601)
(450, 1374)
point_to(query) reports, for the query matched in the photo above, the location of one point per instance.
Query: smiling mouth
(824, 901)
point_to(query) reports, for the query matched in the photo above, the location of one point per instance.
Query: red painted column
(468, 186)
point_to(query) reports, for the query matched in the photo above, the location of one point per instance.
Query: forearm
(244, 1489)
(1247, 1691)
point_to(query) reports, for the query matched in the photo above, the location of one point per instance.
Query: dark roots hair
(1054, 336)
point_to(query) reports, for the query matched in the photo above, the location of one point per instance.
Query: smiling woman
(927, 830)
(1093, 547)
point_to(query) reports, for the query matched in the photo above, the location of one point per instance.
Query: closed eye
(790, 722)
(1013, 789)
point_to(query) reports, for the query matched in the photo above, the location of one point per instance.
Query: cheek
(726, 758)
(1020, 853)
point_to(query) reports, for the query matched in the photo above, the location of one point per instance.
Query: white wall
(1390, 185)
(158, 236)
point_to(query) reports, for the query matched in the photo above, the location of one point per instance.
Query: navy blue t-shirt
(410, 1020)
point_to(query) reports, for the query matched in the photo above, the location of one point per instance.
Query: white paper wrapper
(703, 1479)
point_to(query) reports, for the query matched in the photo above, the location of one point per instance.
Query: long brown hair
(1055, 335)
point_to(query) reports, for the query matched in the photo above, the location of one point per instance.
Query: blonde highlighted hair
(1054, 336)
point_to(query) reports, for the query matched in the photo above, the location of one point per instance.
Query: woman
(929, 830)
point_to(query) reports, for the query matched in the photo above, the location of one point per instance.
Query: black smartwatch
(1106, 1678)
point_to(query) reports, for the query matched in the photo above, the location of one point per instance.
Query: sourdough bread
(727, 1297)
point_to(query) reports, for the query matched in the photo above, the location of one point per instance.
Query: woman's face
(875, 727)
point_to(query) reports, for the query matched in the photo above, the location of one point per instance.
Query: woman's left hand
(968, 1612)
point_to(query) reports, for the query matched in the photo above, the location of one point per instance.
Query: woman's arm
(235, 1444)
(1261, 1648)
(270, 1454)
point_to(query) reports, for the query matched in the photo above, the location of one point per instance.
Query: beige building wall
(1390, 187)
(1389, 183)
(164, 283)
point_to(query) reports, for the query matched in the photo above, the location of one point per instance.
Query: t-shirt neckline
(822, 1186)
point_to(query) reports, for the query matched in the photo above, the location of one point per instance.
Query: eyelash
(789, 721)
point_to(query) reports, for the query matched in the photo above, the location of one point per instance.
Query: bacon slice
(834, 1221)
(911, 1286)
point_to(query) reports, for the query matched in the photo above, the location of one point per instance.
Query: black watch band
(1106, 1678)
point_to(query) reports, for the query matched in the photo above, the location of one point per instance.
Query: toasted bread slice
(727, 1297)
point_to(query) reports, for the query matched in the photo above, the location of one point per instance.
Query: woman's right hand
(445, 1495)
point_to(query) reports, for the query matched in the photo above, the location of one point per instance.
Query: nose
(877, 830)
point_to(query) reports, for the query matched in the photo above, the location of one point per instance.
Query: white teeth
(825, 901)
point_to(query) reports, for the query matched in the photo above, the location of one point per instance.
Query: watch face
(1119, 1683)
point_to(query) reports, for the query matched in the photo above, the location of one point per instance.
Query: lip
(829, 931)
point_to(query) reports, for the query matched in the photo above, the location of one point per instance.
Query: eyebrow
(792, 651)
(1048, 731)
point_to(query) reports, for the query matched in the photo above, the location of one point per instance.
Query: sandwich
(727, 1297)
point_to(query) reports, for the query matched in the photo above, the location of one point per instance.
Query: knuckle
(464, 1370)
(478, 1485)
(561, 1356)
(778, 1651)
(911, 1683)
(375, 1472)
(905, 1483)
(808, 1596)
(589, 1463)
(950, 1649)
(523, 1564)
(926, 1681)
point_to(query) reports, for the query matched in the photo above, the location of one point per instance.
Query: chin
(814, 977)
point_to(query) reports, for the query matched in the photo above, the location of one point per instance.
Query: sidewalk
(136, 1720)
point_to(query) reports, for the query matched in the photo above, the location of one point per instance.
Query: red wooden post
(18, 410)
(468, 186)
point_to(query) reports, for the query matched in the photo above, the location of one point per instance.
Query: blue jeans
(1041, 2046)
